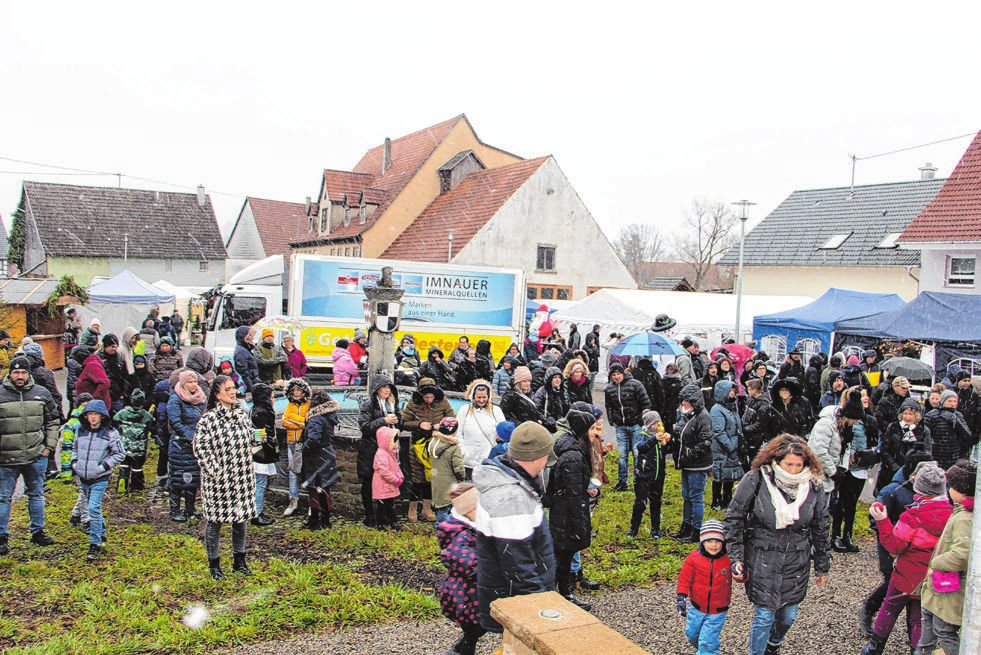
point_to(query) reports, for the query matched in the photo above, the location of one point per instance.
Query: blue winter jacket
(244, 361)
(95, 453)
(727, 430)
(185, 472)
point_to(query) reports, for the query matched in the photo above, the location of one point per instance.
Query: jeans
(693, 493)
(94, 491)
(576, 563)
(935, 632)
(213, 530)
(261, 483)
(81, 507)
(648, 490)
(704, 631)
(627, 437)
(770, 626)
(294, 478)
(892, 607)
(34, 485)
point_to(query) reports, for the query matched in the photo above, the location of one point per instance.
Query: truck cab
(250, 295)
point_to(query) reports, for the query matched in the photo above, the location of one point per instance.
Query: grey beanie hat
(930, 481)
(946, 395)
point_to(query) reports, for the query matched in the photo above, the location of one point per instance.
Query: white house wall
(546, 210)
(183, 272)
(245, 242)
(933, 270)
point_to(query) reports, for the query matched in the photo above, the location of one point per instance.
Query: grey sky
(644, 105)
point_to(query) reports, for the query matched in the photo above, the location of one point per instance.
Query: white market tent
(122, 301)
(182, 299)
(706, 317)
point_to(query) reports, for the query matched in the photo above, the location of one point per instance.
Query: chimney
(387, 157)
(928, 171)
(202, 197)
(309, 204)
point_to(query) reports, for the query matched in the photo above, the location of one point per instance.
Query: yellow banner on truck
(319, 341)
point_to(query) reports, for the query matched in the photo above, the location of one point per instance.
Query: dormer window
(835, 241)
(889, 241)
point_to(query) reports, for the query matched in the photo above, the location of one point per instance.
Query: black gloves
(682, 603)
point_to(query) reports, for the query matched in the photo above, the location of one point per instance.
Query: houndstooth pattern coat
(223, 446)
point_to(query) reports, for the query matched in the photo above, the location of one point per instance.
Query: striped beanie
(712, 529)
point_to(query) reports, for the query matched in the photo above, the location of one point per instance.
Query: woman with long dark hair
(223, 445)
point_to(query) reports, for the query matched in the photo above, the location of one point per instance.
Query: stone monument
(383, 311)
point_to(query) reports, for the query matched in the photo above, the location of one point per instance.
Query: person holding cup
(264, 435)
(570, 489)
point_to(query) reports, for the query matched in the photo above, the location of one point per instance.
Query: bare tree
(707, 232)
(637, 244)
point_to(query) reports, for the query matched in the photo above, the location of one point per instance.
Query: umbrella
(646, 344)
(908, 367)
(279, 323)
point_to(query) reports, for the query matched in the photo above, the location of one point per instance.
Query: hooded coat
(295, 416)
(726, 434)
(694, 432)
(185, 472)
(345, 369)
(263, 416)
(417, 412)
(42, 375)
(371, 417)
(950, 434)
(519, 407)
(537, 369)
(74, 365)
(825, 441)
(756, 427)
(567, 495)
(577, 391)
(319, 458)
(202, 363)
(387, 475)
(223, 446)
(478, 430)
(244, 360)
(448, 466)
(912, 539)
(163, 364)
(647, 375)
(95, 453)
(125, 351)
(93, 380)
(898, 439)
(141, 379)
(794, 417)
(778, 560)
(812, 382)
(552, 401)
(438, 371)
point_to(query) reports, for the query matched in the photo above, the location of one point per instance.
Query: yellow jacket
(294, 418)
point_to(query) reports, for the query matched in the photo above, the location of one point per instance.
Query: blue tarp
(127, 289)
(817, 319)
(932, 316)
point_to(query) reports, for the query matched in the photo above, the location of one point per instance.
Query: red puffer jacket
(912, 539)
(707, 581)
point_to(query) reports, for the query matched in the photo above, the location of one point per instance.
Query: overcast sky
(644, 105)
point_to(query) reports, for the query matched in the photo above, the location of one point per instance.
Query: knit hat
(616, 367)
(947, 395)
(687, 343)
(962, 477)
(852, 407)
(853, 360)
(834, 376)
(650, 418)
(138, 398)
(139, 359)
(110, 340)
(962, 375)
(20, 363)
(530, 442)
(901, 382)
(930, 481)
(167, 340)
(82, 398)
(712, 529)
(522, 374)
(267, 332)
(360, 334)
(504, 430)
(95, 322)
(466, 502)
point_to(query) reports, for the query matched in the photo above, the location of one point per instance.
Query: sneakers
(632, 533)
(94, 552)
(655, 534)
(291, 507)
(41, 539)
(262, 521)
(621, 486)
(4, 545)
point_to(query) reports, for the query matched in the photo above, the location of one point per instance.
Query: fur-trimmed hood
(567, 373)
(479, 383)
(298, 383)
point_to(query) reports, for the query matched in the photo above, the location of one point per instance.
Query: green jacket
(68, 433)
(28, 423)
(950, 554)
(270, 359)
(134, 429)
(448, 471)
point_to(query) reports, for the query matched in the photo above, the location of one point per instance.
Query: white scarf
(787, 513)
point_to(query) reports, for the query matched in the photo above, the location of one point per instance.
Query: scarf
(797, 487)
(197, 398)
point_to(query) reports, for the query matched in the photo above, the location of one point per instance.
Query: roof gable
(278, 223)
(954, 214)
(465, 210)
(79, 221)
(794, 233)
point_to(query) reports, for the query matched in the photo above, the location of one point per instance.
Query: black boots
(772, 649)
(137, 482)
(876, 645)
(844, 545)
(214, 567)
(313, 520)
(686, 535)
(262, 521)
(585, 583)
(94, 552)
(175, 509)
(41, 539)
(189, 510)
(565, 588)
(4, 545)
(866, 615)
(122, 482)
(238, 564)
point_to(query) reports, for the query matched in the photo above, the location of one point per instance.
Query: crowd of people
(511, 478)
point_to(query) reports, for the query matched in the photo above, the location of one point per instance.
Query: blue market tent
(817, 320)
(932, 316)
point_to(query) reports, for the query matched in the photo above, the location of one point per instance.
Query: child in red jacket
(387, 478)
(706, 581)
(911, 542)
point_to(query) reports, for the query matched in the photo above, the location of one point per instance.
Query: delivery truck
(321, 299)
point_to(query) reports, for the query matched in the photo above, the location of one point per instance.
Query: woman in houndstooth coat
(223, 445)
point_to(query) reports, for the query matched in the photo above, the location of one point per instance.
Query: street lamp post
(743, 205)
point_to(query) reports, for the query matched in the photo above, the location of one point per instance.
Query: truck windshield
(241, 310)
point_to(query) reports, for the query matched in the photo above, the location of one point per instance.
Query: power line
(64, 168)
(37, 173)
(922, 145)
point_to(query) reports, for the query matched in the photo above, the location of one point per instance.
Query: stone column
(381, 342)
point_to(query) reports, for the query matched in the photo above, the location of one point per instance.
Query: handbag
(945, 582)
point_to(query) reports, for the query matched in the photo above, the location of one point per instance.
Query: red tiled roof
(954, 214)
(465, 209)
(340, 183)
(279, 223)
(409, 153)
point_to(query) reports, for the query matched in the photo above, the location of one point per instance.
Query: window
(546, 258)
(549, 292)
(848, 351)
(323, 220)
(241, 310)
(168, 264)
(960, 271)
(562, 294)
(835, 241)
(203, 266)
(775, 346)
(808, 348)
(889, 241)
(347, 252)
(972, 366)
(356, 252)
(332, 251)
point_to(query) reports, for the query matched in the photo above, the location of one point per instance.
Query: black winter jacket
(626, 402)
(439, 371)
(46, 379)
(116, 372)
(568, 518)
(812, 382)
(887, 409)
(518, 408)
(370, 418)
(592, 348)
(894, 446)
(791, 369)
(264, 417)
(648, 376)
(756, 428)
(950, 434)
(319, 459)
(552, 402)
(694, 432)
(969, 405)
(244, 361)
(778, 560)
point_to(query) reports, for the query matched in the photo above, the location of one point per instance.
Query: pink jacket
(388, 474)
(912, 539)
(345, 370)
(296, 362)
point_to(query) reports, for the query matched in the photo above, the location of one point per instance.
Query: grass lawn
(151, 592)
